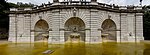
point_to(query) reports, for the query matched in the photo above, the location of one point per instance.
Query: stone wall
(129, 25)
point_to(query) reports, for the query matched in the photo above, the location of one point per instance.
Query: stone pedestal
(62, 38)
(32, 37)
(88, 35)
(118, 36)
(50, 37)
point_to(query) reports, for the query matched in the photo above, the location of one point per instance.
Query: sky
(117, 2)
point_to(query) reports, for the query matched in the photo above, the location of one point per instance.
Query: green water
(76, 49)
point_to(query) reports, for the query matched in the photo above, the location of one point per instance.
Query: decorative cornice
(139, 14)
(78, 5)
(27, 15)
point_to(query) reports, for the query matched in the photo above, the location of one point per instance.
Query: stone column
(55, 26)
(12, 28)
(124, 35)
(94, 26)
(99, 35)
(118, 35)
(32, 37)
(88, 35)
(131, 27)
(139, 27)
(32, 28)
(62, 39)
(50, 36)
(27, 29)
(20, 27)
(61, 27)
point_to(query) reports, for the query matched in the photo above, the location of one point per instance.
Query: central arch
(41, 31)
(74, 26)
(109, 30)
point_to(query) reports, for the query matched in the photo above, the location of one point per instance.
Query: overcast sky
(117, 2)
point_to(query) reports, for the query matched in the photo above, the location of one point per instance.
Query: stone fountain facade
(50, 22)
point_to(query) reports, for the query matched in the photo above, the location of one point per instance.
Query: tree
(146, 22)
(4, 19)
(4, 16)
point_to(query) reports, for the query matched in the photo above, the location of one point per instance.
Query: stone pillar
(124, 35)
(88, 35)
(50, 36)
(12, 28)
(94, 26)
(131, 27)
(139, 27)
(99, 35)
(27, 29)
(61, 28)
(55, 26)
(118, 36)
(32, 37)
(20, 27)
(32, 28)
(62, 38)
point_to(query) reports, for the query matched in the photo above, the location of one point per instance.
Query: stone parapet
(78, 4)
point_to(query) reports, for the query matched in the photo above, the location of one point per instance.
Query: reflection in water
(76, 49)
(147, 49)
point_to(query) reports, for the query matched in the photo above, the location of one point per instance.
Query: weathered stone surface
(129, 23)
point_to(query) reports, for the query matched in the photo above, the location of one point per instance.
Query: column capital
(139, 14)
(12, 15)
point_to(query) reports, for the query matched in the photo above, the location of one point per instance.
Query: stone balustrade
(79, 3)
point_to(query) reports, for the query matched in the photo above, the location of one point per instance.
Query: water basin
(111, 48)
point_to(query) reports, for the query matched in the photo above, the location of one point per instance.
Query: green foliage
(4, 18)
(146, 22)
(24, 5)
(12, 5)
(4, 7)
(20, 5)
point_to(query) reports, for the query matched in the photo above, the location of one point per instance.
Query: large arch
(41, 31)
(109, 30)
(74, 25)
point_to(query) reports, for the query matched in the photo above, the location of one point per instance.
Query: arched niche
(74, 26)
(109, 30)
(41, 31)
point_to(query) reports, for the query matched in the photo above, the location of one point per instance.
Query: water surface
(76, 49)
